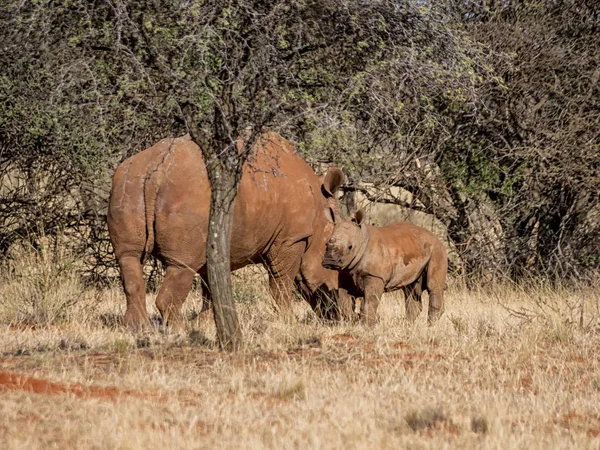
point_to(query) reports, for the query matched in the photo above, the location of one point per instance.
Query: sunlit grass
(486, 376)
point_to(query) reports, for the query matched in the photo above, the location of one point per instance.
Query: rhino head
(314, 278)
(347, 243)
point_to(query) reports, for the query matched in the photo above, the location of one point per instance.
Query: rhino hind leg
(413, 299)
(436, 281)
(206, 312)
(206, 295)
(134, 286)
(173, 292)
(436, 306)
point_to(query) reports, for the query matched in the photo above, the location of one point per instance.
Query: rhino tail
(151, 187)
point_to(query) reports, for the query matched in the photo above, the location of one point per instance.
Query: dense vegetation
(487, 111)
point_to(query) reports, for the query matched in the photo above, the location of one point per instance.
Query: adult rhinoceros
(159, 204)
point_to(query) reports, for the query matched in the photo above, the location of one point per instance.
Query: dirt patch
(10, 381)
(526, 383)
(269, 399)
(572, 420)
(401, 346)
(345, 338)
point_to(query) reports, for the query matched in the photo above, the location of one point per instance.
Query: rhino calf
(373, 260)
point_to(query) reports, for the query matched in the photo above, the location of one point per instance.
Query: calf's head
(347, 241)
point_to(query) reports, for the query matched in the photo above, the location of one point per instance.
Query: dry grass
(38, 285)
(505, 368)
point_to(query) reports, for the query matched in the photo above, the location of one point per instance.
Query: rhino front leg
(283, 263)
(333, 306)
(325, 304)
(373, 288)
(173, 292)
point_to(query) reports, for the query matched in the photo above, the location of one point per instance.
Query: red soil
(15, 382)
(351, 340)
(590, 423)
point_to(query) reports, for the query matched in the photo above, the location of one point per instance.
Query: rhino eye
(350, 247)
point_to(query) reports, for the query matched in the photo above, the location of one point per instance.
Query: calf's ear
(359, 217)
(334, 178)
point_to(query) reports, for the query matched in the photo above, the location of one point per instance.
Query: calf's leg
(373, 289)
(413, 303)
(345, 305)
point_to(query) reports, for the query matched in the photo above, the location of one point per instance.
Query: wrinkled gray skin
(374, 260)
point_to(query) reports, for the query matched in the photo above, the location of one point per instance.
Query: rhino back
(272, 203)
(127, 209)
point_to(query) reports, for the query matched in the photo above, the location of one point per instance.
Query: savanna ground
(504, 368)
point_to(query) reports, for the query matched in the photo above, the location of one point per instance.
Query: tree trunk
(218, 259)
(224, 182)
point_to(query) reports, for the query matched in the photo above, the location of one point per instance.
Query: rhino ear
(330, 214)
(359, 217)
(334, 178)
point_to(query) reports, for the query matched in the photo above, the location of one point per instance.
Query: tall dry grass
(39, 284)
(506, 368)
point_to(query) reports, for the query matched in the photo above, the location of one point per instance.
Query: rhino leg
(345, 304)
(206, 310)
(132, 276)
(436, 306)
(328, 305)
(173, 292)
(373, 288)
(346, 298)
(283, 263)
(206, 295)
(436, 280)
(412, 299)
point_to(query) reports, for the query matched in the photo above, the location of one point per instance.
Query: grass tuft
(122, 347)
(294, 389)
(460, 325)
(428, 418)
(480, 425)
